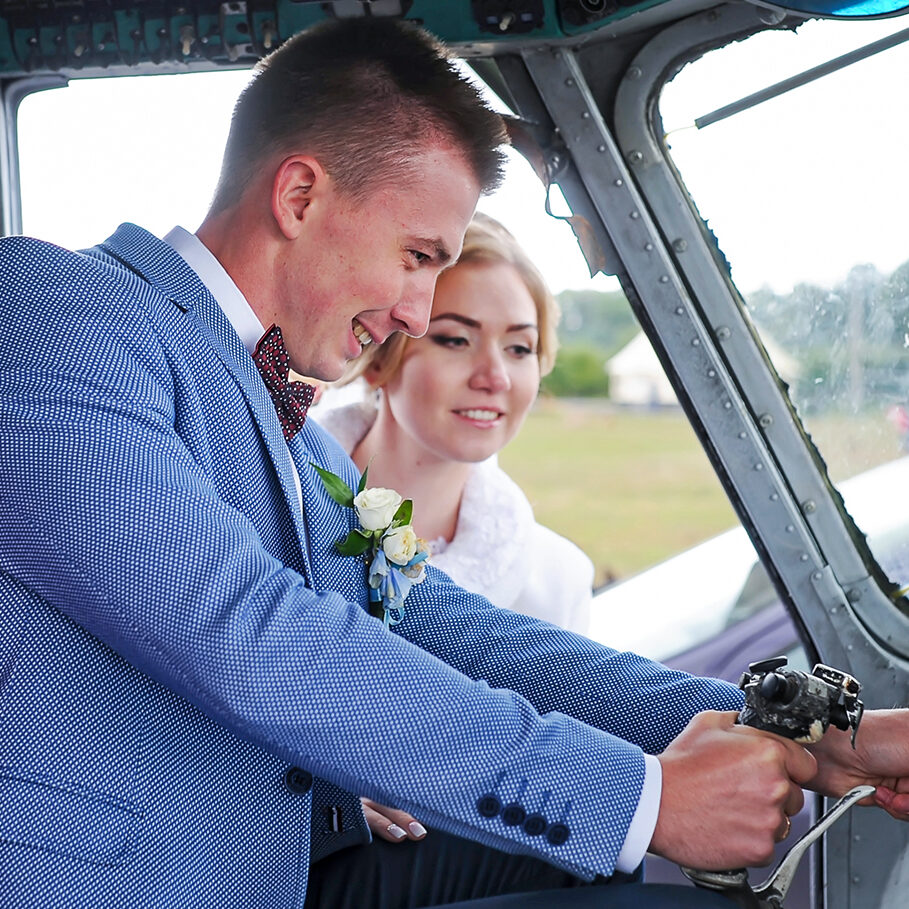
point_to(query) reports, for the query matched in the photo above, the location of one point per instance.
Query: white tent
(636, 377)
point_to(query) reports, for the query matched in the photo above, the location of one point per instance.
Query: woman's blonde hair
(486, 241)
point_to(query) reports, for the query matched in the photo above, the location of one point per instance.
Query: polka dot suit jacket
(191, 687)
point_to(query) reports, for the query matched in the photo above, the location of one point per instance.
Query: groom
(193, 693)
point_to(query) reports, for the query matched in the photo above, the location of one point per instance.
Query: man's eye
(420, 257)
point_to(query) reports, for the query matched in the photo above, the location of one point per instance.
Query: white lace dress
(498, 550)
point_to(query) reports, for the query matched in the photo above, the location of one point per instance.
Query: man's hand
(390, 824)
(727, 794)
(880, 758)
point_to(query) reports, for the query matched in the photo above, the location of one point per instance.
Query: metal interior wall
(844, 609)
(10, 207)
(860, 854)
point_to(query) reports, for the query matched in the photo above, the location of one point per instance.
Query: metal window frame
(12, 93)
(693, 315)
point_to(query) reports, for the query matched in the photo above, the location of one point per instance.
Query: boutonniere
(393, 553)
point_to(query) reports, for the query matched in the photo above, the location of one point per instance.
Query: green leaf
(354, 544)
(403, 514)
(362, 484)
(335, 486)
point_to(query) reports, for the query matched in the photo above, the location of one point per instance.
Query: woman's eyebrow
(473, 323)
(455, 317)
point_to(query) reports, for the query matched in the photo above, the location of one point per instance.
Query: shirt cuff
(640, 832)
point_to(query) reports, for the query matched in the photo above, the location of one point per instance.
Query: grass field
(632, 488)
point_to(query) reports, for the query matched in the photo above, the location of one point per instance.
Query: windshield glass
(805, 194)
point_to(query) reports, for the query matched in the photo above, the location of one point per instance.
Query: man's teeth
(481, 414)
(362, 335)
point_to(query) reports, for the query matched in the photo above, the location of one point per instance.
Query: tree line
(840, 348)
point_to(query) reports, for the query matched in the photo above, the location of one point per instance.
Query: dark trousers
(445, 870)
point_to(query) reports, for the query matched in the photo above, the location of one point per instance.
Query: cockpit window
(102, 151)
(805, 194)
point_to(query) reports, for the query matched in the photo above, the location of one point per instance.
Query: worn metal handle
(775, 888)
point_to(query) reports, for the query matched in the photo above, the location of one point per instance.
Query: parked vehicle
(713, 609)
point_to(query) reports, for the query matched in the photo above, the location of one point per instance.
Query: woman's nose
(491, 372)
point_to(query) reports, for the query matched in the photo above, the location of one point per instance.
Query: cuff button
(298, 781)
(535, 824)
(558, 834)
(513, 814)
(488, 805)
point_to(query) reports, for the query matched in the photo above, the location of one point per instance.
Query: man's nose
(412, 313)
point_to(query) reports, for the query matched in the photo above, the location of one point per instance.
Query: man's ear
(298, 180)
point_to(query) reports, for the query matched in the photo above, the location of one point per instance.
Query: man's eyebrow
(473, 323)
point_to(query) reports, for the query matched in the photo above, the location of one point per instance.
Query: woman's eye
(449, 340)
(522, 350)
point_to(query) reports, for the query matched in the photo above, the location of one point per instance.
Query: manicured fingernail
(416, 828)
(397, 832)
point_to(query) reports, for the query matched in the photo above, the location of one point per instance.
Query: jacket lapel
(164, 269)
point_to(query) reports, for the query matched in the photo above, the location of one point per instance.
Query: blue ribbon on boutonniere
(395, 556)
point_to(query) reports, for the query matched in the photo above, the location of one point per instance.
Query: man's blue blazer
(191, 687)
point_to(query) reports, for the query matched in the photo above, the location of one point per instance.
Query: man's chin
(319, 373)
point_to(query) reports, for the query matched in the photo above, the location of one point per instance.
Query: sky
(807, 185)
(797, 189)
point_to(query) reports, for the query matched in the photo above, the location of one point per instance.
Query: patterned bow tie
(291, 399)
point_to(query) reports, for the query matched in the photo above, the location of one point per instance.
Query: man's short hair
(363, 96)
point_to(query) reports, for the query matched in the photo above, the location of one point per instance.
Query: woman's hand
(880, 758)
(390, 824)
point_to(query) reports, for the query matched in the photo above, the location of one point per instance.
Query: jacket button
(297, 780)
(488, 805)
(558, 834)
(535, 824)
(513, 814)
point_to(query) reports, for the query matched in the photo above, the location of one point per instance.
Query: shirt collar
(219, 283)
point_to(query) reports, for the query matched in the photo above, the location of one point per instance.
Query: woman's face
(463, 390)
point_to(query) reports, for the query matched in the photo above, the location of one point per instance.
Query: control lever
(772, 892)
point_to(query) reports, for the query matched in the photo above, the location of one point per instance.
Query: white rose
(376, 507)
(400, 545)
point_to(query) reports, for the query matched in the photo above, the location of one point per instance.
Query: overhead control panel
(83, 37)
